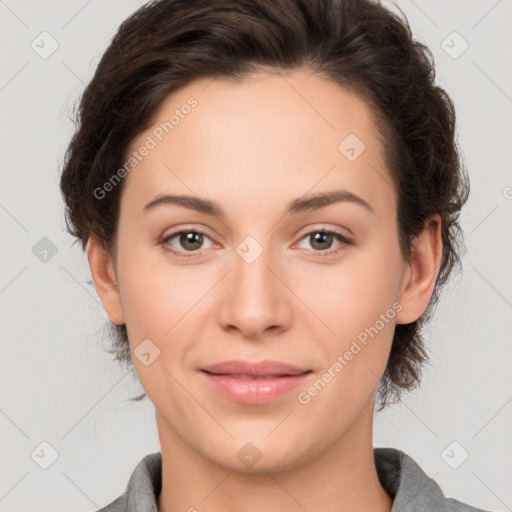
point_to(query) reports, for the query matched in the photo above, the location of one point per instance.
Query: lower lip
(254, 391)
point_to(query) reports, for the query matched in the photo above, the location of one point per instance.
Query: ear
(423, 269)
(105, 280)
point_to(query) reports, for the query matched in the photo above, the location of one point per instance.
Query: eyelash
(338, 236)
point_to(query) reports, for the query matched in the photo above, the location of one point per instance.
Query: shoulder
(141, 493)
(411, 487)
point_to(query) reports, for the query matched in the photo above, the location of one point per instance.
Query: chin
(262, 456)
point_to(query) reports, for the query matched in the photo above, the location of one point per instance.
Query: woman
(219, 146)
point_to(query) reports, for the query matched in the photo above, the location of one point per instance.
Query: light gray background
(59, 386)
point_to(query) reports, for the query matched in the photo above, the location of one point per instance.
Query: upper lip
(267, 367)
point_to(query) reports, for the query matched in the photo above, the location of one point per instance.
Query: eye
(322, 240)
(190, 240)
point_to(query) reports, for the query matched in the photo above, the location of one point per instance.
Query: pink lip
(270, 379)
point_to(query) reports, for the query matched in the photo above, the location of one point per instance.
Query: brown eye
(322, 241)
(185, 241)
(191, 240)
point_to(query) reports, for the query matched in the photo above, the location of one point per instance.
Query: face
(270, 276)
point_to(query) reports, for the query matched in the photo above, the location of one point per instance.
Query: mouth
(254, 383)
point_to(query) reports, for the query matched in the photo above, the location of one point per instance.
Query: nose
(255, 299)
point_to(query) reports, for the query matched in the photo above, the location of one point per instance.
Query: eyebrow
(299, 205)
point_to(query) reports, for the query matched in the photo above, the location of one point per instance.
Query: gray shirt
(412, 490)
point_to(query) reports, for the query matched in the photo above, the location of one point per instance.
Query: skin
(252, 147)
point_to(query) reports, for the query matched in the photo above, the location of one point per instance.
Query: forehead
(260, 135)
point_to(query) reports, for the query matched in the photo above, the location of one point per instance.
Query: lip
(258, 368)
(253, 383)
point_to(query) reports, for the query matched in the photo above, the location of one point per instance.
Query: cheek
(354, 294)
(355, 360)
(152, 297)
(161, 301)
(359, 310)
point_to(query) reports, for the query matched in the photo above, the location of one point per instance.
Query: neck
(341, 478)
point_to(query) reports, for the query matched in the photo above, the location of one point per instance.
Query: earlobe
(104, 278)
(422, 272)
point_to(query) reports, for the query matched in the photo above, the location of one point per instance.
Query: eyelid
(326, 228)
(186, 229)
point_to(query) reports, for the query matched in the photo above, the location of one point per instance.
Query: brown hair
(358, 44)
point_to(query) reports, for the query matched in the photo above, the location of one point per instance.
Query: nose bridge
(255, 298)
(252, 276)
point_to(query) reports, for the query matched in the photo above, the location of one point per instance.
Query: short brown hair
(358, 44)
